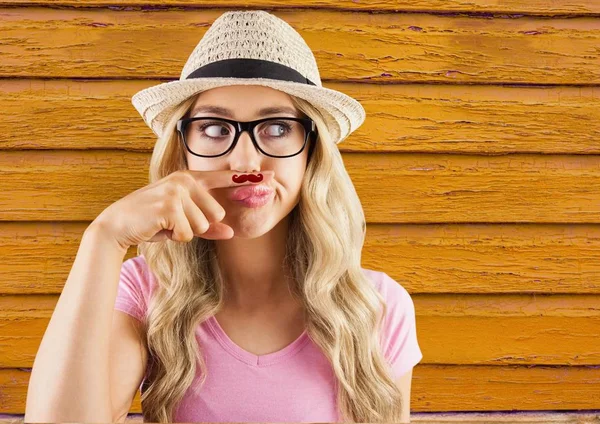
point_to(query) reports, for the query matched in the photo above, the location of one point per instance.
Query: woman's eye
(216, 130)
(279, 130)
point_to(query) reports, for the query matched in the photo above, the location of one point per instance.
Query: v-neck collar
(249, 357)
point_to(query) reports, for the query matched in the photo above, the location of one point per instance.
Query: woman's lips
(255, 201)
(248, 191)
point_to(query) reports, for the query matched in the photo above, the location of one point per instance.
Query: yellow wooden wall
(482, 130)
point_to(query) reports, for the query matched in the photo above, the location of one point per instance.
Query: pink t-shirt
(295, 384)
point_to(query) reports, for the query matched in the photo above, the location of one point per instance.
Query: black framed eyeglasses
(211, 137)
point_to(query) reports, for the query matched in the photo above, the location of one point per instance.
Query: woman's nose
(245, 157)
(245, 143)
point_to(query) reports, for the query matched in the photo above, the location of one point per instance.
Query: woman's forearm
(70, 376)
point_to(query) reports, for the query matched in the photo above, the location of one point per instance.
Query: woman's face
(244, 103)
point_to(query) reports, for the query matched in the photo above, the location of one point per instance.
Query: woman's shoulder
(137, 272)
(399, 334)
(390, 289)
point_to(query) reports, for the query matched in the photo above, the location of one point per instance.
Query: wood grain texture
(478, 168)
(480, 119)
(348, 46)
(539, 7)
(438, 388)
(498, 330)
(520, 417)
(393, 188)
(468, 259)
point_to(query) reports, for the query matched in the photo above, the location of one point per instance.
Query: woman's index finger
(228, 178)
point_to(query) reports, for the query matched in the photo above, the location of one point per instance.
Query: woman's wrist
(99, 232)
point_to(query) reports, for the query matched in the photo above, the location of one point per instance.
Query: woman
(267, 316)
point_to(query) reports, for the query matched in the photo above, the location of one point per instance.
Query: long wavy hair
(343, 308)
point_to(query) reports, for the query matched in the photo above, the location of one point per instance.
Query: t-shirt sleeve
(130, 294)
(399, 331)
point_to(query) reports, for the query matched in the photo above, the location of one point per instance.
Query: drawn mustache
(248, 177)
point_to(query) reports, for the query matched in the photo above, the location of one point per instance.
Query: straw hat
(251, 48)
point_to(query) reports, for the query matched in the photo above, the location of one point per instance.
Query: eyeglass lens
(277, 137)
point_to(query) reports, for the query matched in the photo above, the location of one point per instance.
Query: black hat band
(249, 68)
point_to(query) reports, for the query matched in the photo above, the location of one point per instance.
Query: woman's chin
(251, 224)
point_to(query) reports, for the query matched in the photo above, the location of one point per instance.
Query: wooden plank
(477, 259)
(486, 258)
(520, 417)
(540, 7)
(72, 114)
(438, 388)
(542, 417)
(364, 47)
(393, 188)
(498, 330)
(484, 388)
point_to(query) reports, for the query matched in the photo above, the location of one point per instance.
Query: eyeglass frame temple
(241, 126)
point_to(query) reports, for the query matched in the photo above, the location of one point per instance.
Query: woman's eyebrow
(229, 113)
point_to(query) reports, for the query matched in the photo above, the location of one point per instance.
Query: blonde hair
(343, 308)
